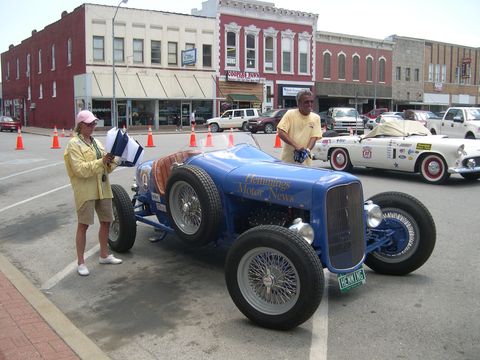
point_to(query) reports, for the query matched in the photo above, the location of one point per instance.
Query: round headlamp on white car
(305, 230)
(374, 214)
(461, 150)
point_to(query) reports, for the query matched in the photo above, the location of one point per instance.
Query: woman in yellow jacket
(88, 167)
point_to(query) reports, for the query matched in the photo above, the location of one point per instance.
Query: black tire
(269, 129)
(123, 228)
(413, 240)
(433, 131)
(214, 127)
(245, 126)
(471, 176)
(469, 136)
(193, 205)
(339, 160)
(274, 277)
(253, 131)
(433, 169)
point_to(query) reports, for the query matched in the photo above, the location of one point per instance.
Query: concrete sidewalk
(32, 327)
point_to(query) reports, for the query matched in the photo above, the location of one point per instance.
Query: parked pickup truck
(346, 120)
(457, 122)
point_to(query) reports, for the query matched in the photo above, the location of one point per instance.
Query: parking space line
(318, 348)
(30, 170)
(55, 279)
(34, 197)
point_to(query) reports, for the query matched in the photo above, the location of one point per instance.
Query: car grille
(345, 224)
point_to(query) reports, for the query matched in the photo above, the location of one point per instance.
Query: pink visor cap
(85, 116)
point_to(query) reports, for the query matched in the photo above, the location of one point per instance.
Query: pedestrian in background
(88, 167)
(178, 122)
(300, 129)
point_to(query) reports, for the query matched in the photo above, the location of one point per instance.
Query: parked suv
(345, 119)
(235, 118)
(458, 122)
(267, 122)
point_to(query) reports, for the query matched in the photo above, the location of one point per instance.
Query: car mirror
(458, 119)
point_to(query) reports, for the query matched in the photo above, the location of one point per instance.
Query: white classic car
(403, 146)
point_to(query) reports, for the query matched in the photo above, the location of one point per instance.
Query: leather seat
(162, 167)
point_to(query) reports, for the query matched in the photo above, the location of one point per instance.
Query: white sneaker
(82, 270)
(110, 259)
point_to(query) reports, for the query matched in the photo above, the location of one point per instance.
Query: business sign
(243, 76)
(189, 57)
(292, 91)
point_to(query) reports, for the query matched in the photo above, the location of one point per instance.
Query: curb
(68, 332)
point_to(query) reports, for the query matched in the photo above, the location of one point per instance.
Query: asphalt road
(168, 301)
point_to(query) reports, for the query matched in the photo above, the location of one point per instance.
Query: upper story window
(119, 49)
(156, 52)
(190, 46)
(430, 72)
(341, 66)
(416, 74)
(444, 73)
(437, 72)
(326, 64)
(172, 53)
(98, 48)
(287, 51)
(270, 50)
(407, 74)
(303, 53)
(40, 61)
(8, 71)
(381, 70)
(27, 70)
(369, 68)
(356, 67)
(398, 73)
(231, 49)
(207, 55)
(251, 51)
(138, 51)
(69, 52)
(53, 58)
(18, 68)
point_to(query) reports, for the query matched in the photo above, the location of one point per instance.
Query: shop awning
(242, 97)
(154, 84)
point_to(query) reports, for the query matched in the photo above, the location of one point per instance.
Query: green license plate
(351, 280)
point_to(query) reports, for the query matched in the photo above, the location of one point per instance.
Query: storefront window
(101, 109)
(142, 112)
(167, 111)
(203, 110)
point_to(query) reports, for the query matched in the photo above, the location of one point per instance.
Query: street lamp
(114, 103)
(375, 80)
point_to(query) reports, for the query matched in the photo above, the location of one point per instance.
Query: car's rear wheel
(434, 169)
(193, 205)
(274, 277)
(413, 239)
(469, 136)
(123, 229)
(339, 160)
(245, 126)
(269, 128)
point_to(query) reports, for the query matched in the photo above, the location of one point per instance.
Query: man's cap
(86, 117)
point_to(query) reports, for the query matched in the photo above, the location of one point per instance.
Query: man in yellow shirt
(88, 167)
(300, 129)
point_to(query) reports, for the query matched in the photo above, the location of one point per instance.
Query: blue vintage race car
(284, 223)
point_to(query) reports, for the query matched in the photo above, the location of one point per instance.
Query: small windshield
(473, 114)
(346, 113)
(269, 113)
(7, 119)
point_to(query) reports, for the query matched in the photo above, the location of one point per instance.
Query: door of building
(186, 110)
(122, 114)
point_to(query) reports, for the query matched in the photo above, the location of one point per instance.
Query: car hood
(248, 172)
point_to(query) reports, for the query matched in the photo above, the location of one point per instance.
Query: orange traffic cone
(55, 144)
(193, 138)
(150, 138)
(209, 142)
(230, 138)
(278, 143)
(19, 140)
(63, 133)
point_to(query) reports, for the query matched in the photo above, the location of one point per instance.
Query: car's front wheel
(123, 228)
(434, 169)
(274, 277)
(214, 127)
(339, 160)
(193, 205)
(413, 238)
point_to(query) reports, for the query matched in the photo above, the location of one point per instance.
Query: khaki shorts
(102, 207)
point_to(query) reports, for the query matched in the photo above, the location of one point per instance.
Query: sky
(450, 21)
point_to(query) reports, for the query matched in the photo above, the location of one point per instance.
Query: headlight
(374, 214)
(303, 229)
(471, 163)
(460, 150)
